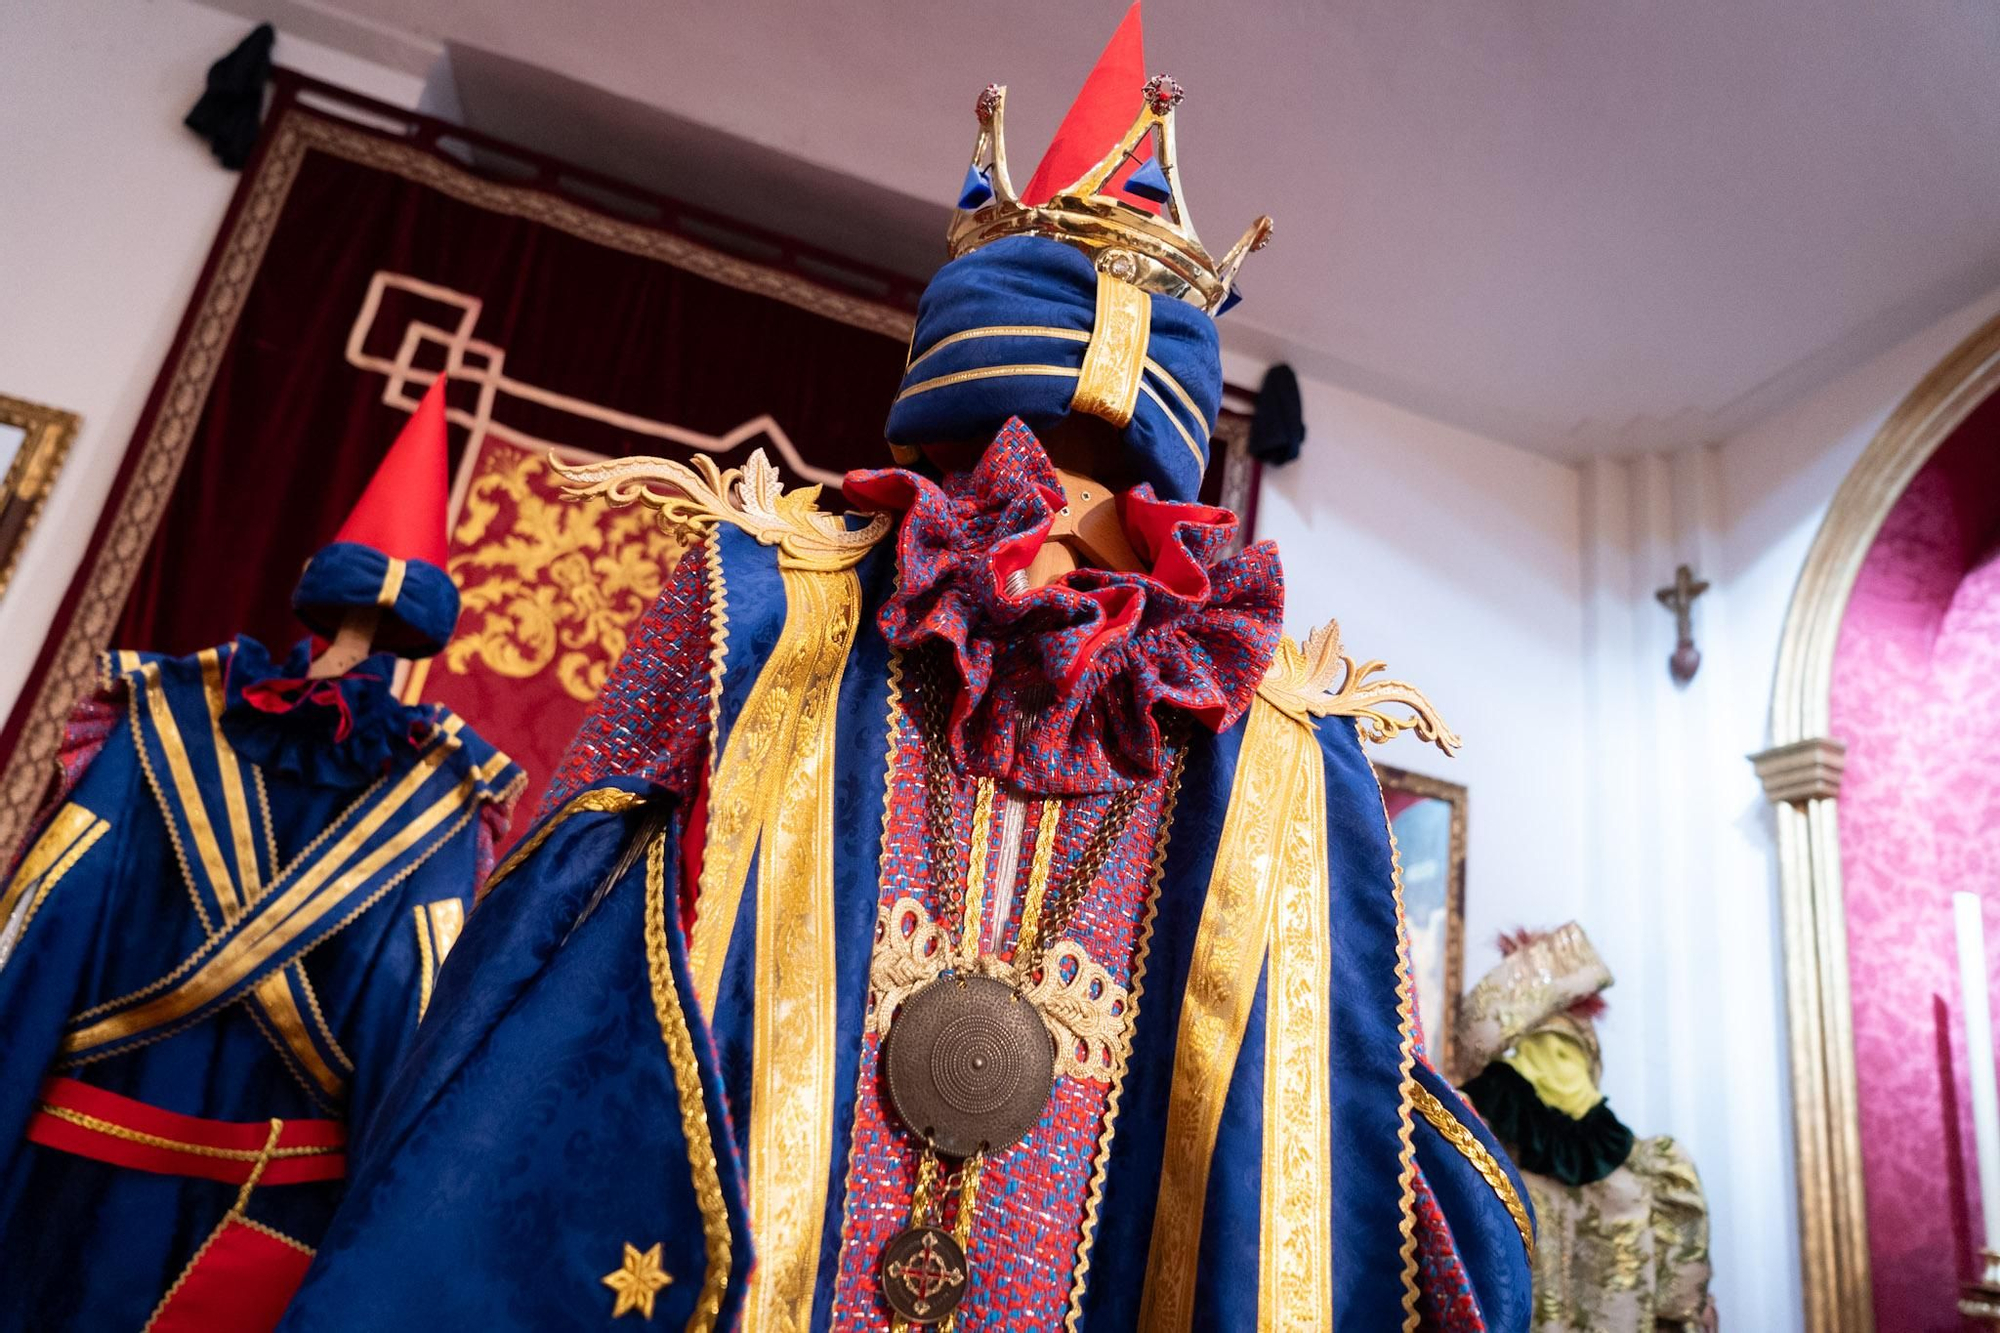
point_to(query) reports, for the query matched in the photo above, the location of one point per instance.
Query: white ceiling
(1582, 226)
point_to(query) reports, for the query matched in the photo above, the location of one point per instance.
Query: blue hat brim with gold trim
(418, 602)
(1003, 331)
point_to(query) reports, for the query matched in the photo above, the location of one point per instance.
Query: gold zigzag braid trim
(1475, 1152)
(695, 495)
(1320, 680)
(1406, 1130)
(674, 1031)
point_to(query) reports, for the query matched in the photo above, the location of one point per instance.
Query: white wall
(1681, 847)
(1454, 559)
(108, 214)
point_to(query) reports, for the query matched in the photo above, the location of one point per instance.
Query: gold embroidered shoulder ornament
(1319, 680)
(694, 496)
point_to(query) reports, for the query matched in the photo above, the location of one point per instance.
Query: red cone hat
(402, 513)
(1099, 117)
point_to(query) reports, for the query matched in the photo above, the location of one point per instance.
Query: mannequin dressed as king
(1623, 1223)
(975, 914)
(223, 934)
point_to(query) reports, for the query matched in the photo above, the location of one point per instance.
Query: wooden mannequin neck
(350, 646)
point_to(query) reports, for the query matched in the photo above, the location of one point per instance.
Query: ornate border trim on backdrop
(65, 672)
(1801, 775)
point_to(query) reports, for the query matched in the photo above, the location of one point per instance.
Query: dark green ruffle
(1544, 1140)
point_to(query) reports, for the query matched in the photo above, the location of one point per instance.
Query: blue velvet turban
(419, 604)
(1002, 332)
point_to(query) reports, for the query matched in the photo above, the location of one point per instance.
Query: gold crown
(1154, 252)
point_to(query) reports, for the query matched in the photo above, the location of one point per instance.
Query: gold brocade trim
(1406, 1029)
(693, 496)
(1295, 1234)
(274, 995)
(1152, 367)
(447, 917)
(672, 1017)
(84, 1120)
(1121, 1060)
(241, 833)
(1108, 384)
(1229, 948)
(392, 584)
(181, 770)
(426, 963)
(1319, 680)
(298, 908)
(792, 1095)
(1200, 459)
(1482, 1161)
(598, 800)
(72, 831)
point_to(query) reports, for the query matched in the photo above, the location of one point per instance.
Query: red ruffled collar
(1102, 651)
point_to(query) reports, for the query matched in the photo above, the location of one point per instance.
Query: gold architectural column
(1802, 782)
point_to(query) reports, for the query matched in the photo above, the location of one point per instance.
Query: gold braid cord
(1474, 1152)
(694, 496)
(1319, 680)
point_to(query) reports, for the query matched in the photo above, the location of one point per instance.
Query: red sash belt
(74, 1117)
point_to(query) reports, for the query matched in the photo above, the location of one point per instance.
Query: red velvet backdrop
(292, 431)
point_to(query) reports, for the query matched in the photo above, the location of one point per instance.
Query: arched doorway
(1802, 774)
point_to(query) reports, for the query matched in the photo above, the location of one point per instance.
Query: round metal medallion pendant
(924, 1275)
(970, 1065)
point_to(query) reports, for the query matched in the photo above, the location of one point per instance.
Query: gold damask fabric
(1625, 1254)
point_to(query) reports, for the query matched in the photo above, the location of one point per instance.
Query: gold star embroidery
(637, 1281)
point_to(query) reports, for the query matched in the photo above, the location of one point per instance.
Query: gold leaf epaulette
(1319, 680)
(692, 496)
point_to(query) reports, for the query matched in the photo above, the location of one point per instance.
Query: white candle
(1978, 1014)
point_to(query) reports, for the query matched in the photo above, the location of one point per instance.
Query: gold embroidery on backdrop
(1229, 948)
(674, 1031)
(1122, 1053)
(552, 584)
(1475, 1152)
(637, 1281)
(598, 800)
(1295, 1236)
(1319, 680)
(1086, 1015)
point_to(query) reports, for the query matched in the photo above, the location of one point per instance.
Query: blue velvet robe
(571, 1104)
(115, 892)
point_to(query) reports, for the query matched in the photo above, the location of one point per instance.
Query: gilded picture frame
(34, 441)
(1427, 816)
